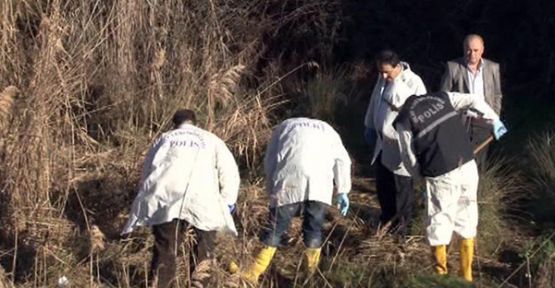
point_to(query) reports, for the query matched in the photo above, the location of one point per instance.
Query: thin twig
(14, 261)
(282, 77)
(525, 262)
(340, 245)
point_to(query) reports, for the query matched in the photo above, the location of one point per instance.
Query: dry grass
(4, 283)
(101, 79)
(7, 98)
(541, 160)
(541, 197)
(501, 191)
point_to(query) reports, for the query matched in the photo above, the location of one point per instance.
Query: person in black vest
(434, 145)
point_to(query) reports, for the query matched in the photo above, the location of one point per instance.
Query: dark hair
(387, 57)
(183, 115)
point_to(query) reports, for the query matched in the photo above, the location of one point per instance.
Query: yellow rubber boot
(467, 253)
(261, 262)
(440, 257)
(312, 257)
(232, 267)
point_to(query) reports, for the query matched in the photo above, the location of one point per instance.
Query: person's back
(189, 180)
(188, 174)
(300, 161)
(435, 145)
(305, 146)
(182, 178)
(304, 159)
(440, 141)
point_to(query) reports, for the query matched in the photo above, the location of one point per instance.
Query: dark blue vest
(440, 141)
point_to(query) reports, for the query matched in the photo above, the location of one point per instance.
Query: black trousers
(396, 197)
(478, 134)
(168, 237)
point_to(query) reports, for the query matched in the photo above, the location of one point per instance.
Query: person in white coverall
(304, 159)
(396, 83)
(189, 180)
(434, 144)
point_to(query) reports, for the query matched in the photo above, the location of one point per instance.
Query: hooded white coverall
(188, 174)
(451, 197)
(303, 160)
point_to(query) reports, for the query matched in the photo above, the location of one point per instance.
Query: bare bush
(101, 79)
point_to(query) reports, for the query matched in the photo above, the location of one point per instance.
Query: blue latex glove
(370, 136)
(231, 208)
(499, 129)
(343, 203)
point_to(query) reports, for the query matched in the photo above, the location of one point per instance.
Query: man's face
(473, 50)
(389, 72)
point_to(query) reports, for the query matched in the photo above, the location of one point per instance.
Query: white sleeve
(407, 151)
(420, 87)
(228, 173)
(407, 86)
(369, 116)
(402, 92)
(342, 166)
(270, 157)
(157, 150)
(463, 100)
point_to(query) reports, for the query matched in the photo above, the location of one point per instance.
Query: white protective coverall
(188, 174)
(303, 160)
(385, 102)
(451, 197)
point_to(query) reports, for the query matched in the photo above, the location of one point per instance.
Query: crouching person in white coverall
(435, 145)
(189, 180)
(303, 160)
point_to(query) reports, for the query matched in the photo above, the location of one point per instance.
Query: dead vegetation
(99, 80)
(6, 102)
